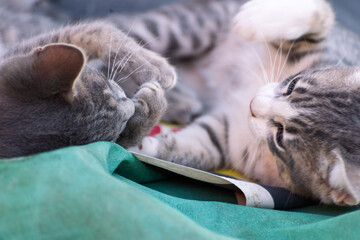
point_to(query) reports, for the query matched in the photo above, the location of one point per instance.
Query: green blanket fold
(100, 191)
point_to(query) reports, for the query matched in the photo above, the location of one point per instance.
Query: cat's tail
(182, 30)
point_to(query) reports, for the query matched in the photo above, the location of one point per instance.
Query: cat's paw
(128, 60)
(167, 75)
(154, 67)
(183, 105)
(160, 146)
(142, 66)
(150, 101)
(150, 104)
(267, 21)
(148, 146)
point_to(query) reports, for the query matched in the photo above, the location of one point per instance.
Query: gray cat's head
(50, 98)
(311, 122)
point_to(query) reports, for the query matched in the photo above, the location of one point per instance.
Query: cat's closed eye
(291, 86)
(279, 136)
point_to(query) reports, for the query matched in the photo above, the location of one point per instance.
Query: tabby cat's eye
(291, 86)
(279, 136)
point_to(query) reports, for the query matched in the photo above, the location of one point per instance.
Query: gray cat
(299, 133)
(50, 96)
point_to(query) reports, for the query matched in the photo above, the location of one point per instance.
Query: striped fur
(181, 30)
(263, 44)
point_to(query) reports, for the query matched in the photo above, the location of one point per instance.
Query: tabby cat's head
(50, 98)
(311, 122)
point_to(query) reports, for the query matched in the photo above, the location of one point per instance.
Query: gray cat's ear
(47, 71)
(343, 191)
(56, 67)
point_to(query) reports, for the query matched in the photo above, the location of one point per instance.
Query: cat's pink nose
(251, 109)
(260, 106)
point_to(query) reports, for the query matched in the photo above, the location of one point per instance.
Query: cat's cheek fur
(283, 173)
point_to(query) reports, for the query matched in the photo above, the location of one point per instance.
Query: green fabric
(100, 191)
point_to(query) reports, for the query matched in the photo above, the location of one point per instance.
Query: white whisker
(122, 64)
(117, 51)
(108, 68)
(257, 77)
(278, 75)
(272, 63)
(287, 56)
(261, 64)
(126, 59)
(123, 79)
(114, 61)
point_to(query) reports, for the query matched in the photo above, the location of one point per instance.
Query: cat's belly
(230, 69)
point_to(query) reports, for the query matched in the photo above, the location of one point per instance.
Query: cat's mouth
(257, 127)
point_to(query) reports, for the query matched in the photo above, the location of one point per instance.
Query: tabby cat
(51, 96)
(300, 133)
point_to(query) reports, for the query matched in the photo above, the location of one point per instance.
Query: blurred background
(347, 11)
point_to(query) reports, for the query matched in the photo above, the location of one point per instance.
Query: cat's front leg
(202, 144)
(101, 40)
(152, 76)
(126, 59)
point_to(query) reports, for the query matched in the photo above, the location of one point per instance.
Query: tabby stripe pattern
(300, 48)
(183, 30)
(215, 141)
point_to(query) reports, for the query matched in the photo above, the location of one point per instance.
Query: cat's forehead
(332, 77)
(328, 112)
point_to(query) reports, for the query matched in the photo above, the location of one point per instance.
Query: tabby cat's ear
(343, 191)
(56, 67)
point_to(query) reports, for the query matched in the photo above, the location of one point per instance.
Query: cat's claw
(267, 21)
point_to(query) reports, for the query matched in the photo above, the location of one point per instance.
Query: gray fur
(50, 96)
